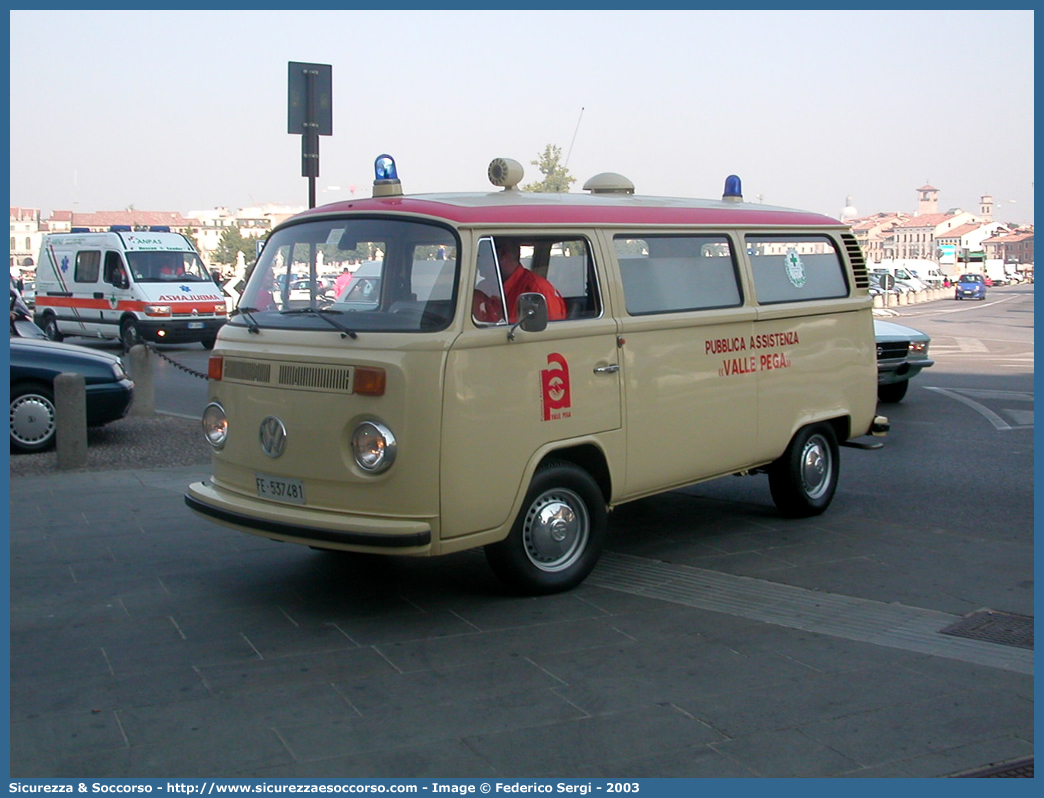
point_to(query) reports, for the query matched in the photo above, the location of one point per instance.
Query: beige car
(527, 362)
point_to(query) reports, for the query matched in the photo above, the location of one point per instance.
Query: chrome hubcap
(556, 530)
(32, 419)
(815, 467)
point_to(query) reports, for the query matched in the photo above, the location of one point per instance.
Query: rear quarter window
(796, 268)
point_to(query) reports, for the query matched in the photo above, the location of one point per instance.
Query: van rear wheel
(50, 328)
(804, 478)
(558, 535)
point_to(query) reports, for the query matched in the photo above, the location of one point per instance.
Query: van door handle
(99, 295)
(607, 369)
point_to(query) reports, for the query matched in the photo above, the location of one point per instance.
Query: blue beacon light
(733, 189)
(386, 177)
(384, 168)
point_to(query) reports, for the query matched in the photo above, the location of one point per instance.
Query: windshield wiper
(324, 314)
(245, 313)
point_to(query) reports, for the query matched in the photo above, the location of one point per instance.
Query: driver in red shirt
(519, 280)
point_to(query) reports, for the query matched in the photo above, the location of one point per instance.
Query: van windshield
(162, 267)
(393, 275)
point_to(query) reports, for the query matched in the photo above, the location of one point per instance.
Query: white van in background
(902, 274)
(131, 285)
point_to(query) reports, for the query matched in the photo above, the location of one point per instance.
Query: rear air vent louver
(855, 255)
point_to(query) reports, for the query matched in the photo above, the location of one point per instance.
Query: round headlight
(215, 425)
(373, 446)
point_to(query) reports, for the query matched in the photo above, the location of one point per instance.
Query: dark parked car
(901, 354)
(35, 362)
(970, 286)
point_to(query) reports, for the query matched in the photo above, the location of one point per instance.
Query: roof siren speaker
(609, 183)
(505, 172)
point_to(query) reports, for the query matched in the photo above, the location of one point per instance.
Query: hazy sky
(187, 110)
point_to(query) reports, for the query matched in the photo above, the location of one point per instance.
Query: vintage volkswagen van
(698, 339)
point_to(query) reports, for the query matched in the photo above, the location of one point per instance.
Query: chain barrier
(173, 362)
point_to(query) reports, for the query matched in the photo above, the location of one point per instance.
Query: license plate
(195, 325)
(280, 489)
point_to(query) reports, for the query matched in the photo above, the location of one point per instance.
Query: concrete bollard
(878, 301)
(70, 405)
(144, 383)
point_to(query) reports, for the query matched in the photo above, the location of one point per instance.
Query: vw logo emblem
(273, 436)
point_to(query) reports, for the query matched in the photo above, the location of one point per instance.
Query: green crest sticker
(795, 268)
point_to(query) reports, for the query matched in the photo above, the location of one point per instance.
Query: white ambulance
(522, 363)
(132, 285)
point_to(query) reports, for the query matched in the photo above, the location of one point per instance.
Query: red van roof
(520, 207)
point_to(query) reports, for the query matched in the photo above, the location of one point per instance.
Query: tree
(190, 234)
(231, 243)
(556, 177)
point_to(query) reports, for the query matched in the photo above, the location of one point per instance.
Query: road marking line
(971, 345)
(999, 423)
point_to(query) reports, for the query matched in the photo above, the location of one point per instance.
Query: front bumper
(309, 527)
(108, 401)
(889, 371)
(178, 331)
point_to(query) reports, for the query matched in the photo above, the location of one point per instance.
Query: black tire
(129, 334)
(209, 341)
(33, 418)
(893, 392)
(50, 328)
(558, 535)
(804, 478)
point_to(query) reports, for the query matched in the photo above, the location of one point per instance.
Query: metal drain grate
(994, 627)
(1023, 769)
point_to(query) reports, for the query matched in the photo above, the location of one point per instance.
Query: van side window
(561, 269)
(88, 266)
(796, 268)
(114, 272)
(570, 269)
(669, 274)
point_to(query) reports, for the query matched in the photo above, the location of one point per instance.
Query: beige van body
(700, 339)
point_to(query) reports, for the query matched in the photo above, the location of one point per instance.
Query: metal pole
(312, 133)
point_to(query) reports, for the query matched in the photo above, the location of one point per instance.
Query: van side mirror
(532, 314)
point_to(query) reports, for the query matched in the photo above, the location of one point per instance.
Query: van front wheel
(558, 535)
(129, 334)
(804, 479)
